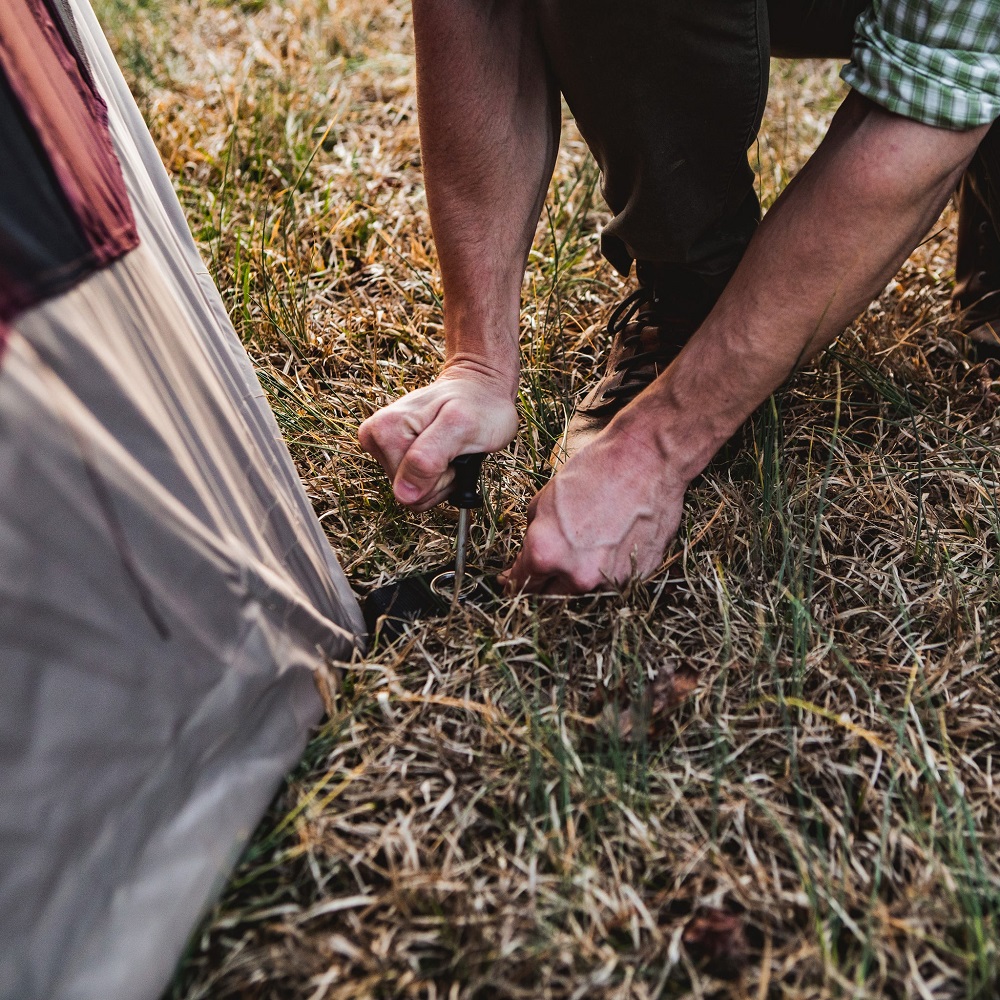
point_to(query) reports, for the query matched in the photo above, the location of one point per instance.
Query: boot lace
(639, 367)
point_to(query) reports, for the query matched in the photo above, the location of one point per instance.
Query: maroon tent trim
(65, 160)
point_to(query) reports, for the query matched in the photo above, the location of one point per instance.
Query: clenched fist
(467, 409)
(605, 517)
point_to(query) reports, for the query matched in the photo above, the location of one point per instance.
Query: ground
(770, 773)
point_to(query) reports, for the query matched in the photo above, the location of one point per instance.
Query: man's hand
(489, 126)
(605, 517)
(832, 240)
(466, 409)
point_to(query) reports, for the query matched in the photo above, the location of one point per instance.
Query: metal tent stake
(432, 593)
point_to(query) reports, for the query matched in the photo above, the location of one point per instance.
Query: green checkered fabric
(936, 61)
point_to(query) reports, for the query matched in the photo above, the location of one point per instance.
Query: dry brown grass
(768, 775)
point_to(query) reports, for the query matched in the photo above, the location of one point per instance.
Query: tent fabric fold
(166, 595)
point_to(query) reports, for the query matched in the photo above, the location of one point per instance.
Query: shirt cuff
(950, 88)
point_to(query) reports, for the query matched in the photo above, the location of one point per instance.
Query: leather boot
(648, 330)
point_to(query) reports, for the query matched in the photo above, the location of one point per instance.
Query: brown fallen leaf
(667, 691)
(626, 716)
(715, 938)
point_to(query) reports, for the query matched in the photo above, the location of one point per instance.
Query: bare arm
(826, 249)
(489, 121)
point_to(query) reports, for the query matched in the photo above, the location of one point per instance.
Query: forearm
(826, 249)
(822, 253)
(489, 132)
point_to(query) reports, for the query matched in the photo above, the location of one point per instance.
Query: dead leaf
(715, 938)
(668, 690)
(626, 716)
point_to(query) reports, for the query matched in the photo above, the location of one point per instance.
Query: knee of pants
(668, 95)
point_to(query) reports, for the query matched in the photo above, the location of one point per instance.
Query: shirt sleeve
(935, 61)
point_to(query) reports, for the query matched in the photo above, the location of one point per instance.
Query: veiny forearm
(489, 120)
(826, 249)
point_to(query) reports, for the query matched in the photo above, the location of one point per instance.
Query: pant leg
(668, 95)
(977, 263)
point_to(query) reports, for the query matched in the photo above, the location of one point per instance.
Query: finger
(538, 585)
(522, 577)
(437, 496)
(425, 466)
(370, 445)
(561, 586)
(430, 488)
(539, 569)
(387, 438)
(512, 578)
(525, 575)
(368, 441)
(533, 506)
(516, 582)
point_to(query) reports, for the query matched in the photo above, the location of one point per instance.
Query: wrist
(651, 455)
(500, 374)
(683, 439)
(485, 330)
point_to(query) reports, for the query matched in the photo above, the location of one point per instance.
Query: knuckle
(458, 417)
(544, 552)
(376, 426)
(367, 434)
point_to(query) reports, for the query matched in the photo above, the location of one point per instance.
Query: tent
(167, 592)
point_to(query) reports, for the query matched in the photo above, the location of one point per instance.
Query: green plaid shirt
(936, 61)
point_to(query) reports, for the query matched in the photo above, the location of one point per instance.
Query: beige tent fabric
(165, 595)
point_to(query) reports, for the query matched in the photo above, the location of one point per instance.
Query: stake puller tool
(435, 593)
(467, 497)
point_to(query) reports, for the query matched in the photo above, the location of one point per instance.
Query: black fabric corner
(42, 248)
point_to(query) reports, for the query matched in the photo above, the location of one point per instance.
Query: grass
(769, 774)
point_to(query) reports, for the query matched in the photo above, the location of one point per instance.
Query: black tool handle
(465, 491)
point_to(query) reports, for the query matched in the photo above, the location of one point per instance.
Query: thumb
(425, 468)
